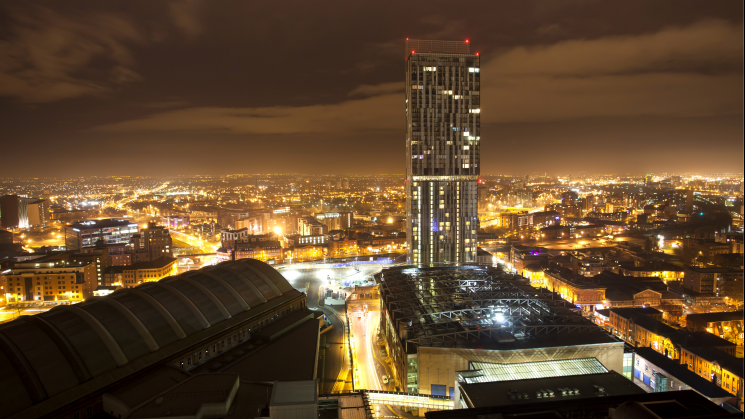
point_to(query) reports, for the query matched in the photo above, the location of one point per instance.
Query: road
(370, 367)
(337, 354)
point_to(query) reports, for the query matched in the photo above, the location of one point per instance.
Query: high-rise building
(442, 149)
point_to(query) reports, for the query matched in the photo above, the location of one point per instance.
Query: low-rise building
(305, 253)
(716, 366)
(49, 282)
(260, 250)
(720, 324)
(343, 246)
(665, 271)
(658, 373)
(575, 289)
(384, 244)
(133, 275)
(522, 256)
(705, 250)
(641, 330)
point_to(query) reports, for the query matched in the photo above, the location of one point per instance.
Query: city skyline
(658, 86)
(247, 209)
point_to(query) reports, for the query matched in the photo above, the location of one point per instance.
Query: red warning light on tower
(481, 180)
(466, 41)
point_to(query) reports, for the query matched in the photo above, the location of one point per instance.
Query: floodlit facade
(443, 106)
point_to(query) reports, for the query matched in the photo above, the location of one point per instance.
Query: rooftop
(484, 372)
(151, 264)
(681, 372)
(59, 356)
(216, 390)
(574, 388)
(723, 359)
(724, 316)
(478, 306)
(95, 224)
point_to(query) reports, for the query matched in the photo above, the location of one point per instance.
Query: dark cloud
(615, 76)
(47, 55)
(321, 86)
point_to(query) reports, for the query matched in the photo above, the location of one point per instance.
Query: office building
(89, 233)
(443, 136)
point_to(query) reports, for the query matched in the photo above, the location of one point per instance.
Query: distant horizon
(352, 175)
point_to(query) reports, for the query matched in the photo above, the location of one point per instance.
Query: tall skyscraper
(442, 149)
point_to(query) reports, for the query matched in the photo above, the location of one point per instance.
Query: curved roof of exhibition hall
(107, 338)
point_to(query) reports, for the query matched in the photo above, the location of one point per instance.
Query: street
(336, 355)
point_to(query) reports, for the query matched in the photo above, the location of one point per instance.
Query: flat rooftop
(481, 307)
(575, 387)
(292, 357)
(289, 357)
(95, 224)
(188, 397)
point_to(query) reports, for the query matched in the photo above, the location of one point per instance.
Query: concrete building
(128, 344)
(437, 320)
(443, 135)
(89, 233)
(550, 381)
(227, 218)
(260, 250)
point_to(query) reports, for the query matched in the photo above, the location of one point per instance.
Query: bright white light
(290, 274)
(499, 317)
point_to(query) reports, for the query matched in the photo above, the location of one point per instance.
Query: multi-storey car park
(439, 320)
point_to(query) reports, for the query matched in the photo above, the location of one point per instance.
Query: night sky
(220, 87)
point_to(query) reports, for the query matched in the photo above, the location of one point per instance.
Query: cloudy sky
(142, 87)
